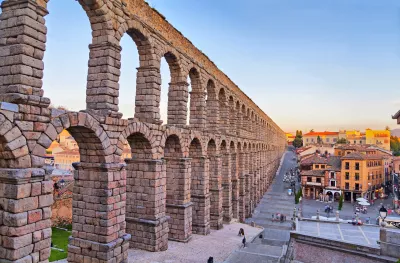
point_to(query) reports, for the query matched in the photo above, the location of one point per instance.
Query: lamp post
(369, 190)
(383, 214)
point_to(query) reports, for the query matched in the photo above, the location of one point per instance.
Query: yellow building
(355, 137)
(290, 137)
(63, 160)
(361, 175)
(380, 138)
(325, 137)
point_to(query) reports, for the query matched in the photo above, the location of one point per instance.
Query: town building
(63, 160)
(290, 138)
(362, 175)
(320, 175)
(325, 137)
(380, 138)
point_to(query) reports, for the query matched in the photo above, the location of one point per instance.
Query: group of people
(279, 217)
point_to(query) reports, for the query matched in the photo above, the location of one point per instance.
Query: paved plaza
(219, 244)
(364, 235)
(309, 208)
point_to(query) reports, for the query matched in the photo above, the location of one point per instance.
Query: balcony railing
(314, 183)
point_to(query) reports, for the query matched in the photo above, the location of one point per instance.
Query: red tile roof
(321, 133)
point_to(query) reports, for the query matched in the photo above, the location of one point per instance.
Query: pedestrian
(241, 232)
(273, 217)
(244, 241)
(210, 260)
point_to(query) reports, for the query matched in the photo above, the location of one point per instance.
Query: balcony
(314, 183)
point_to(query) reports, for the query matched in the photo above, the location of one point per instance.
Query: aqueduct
(181, 179)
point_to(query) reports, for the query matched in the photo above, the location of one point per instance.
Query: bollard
(317, 214)
(337, 215)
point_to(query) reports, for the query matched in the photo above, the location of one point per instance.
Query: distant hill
(395, 132)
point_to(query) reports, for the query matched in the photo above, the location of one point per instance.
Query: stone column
(25, 215)
(98, 222)
(177, 103)
(235, 185)
(200, 195)
(23, 38)
(227, 187)
(223, 117)
(242, 198)
(179, 206)
(148, 90)
(102, 86)
(145, 211)
(216, 211)
(248, 195)
(197, 110)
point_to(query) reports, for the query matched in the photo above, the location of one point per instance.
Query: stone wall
(311, 249)
(181, 179)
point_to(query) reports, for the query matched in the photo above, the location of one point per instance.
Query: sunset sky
(325, 65)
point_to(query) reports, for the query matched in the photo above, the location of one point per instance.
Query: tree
(319, 139)
(298, 142)
(312, 130)
(340, 202)
(395, 145)
(342, 141)
(387, 128)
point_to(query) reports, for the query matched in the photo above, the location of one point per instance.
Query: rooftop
(321, 133)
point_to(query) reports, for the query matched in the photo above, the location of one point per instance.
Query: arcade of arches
(182, 179)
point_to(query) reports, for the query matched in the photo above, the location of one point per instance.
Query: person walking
(244, 241)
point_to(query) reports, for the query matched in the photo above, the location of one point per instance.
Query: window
(317, 166)
(309, 179)
(318, 180)
(360, 142)
(334, 139)
(347, 176)
(333, 183)
(354, 142)
(357, 187)
(323, 166)
(347, 166)
(332, 175)
(357, 166)
(327, 139)
(307, 140)
(347, 186)
(357, 176)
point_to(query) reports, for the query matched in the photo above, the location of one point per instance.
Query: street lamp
(383, 214)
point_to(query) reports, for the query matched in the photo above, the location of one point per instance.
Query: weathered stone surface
(181, 178)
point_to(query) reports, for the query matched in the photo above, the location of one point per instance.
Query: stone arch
(14, 152)
(93, 141)
(172, 131)
(141, 128)
(223, 110)
(178, 89)
(212, 106)
(197, 105)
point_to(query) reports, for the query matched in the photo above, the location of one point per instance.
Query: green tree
(342, 141)
(298, 142)
(319, 139)
(395, 145)
(340, 202)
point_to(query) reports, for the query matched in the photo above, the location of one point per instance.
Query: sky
(322, 65)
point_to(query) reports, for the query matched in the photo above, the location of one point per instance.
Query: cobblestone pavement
(309, 208)
(219, 244)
